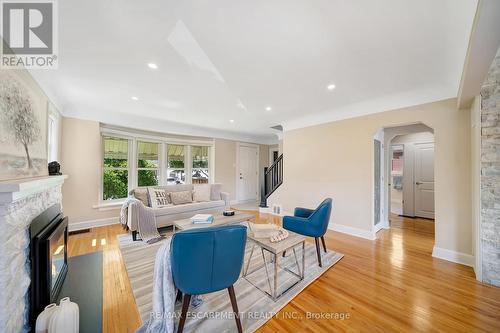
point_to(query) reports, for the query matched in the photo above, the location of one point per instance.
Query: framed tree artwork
(23, 126)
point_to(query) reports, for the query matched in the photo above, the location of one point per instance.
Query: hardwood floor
(392, 284)
(415, 224)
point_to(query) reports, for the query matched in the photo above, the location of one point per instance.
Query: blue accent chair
(207, 260)
(312, 223)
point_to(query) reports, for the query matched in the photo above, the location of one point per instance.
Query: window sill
(104, 206)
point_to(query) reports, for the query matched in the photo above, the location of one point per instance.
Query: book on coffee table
(202, 219)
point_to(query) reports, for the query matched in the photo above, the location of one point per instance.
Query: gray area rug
(83, 285)
(215, 314)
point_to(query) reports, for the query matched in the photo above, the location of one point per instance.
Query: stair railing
(273, 178)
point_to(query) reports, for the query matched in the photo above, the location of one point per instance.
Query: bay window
(131, 161)
(115, 168)
(147, 163)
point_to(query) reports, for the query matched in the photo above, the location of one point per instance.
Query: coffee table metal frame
(273, 292)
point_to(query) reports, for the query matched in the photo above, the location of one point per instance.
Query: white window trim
(133, 139)
(211, 160)
(106, 203)
(136, 161)
(55, 117)
(166, 168)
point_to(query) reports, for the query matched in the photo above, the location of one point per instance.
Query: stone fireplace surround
(20, 202)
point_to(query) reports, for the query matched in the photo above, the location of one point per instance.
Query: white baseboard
(93, 223)
(378, 227)
(352, 231)
(265, 210)
(283, 213)
(453, 256)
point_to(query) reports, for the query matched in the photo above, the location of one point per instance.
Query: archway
(406, 176)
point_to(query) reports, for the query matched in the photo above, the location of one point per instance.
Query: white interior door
(424, 180)
(247, 173)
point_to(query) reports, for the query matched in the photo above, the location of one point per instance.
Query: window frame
(192, 168)
(186, 148)
(103, 168)
(163, 141)
(53, 127)
(136, 162)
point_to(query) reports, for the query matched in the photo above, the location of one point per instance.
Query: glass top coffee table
(276, 251)
(219, 219)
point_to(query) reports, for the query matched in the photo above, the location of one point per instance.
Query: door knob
(418, 183)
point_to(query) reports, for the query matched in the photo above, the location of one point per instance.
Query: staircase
(273, 178)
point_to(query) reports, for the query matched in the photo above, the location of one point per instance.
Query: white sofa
(165, 216)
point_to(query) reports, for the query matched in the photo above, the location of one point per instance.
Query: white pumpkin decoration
(66, 319)
(42, 321)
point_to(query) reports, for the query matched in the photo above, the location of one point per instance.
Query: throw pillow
(142, 195)
(201, 192)
(181, 197)
(158, 197)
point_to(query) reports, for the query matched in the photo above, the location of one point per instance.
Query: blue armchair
(312, 223)
(207, 260)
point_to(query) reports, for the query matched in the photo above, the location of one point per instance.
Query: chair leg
(185, 305)
(318, 252)
(134, 235)
(323, 241)
(232, 296)
(179, 295)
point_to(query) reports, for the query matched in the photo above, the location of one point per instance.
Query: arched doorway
(404, 170)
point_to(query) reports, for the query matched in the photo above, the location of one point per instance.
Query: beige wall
(225, 166)
(414, 138)
(263, 159)
(81, 160)
(336, 160)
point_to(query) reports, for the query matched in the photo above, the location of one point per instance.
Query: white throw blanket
(162, 316)
(124, 210)
(145, 217)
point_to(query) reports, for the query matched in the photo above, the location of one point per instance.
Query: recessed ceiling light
(331, 87)
(135, 98)
(268, 108)
(152, 65)
(231, 120)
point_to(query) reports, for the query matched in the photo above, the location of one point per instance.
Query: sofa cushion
(201, 192)
(181, 197)
(158, 197)
(190, 207)
(177, 188)
(142, 195)
(215, 190)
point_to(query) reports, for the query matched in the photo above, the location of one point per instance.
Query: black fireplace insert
(49, 258)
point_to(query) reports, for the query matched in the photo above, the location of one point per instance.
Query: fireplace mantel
(13, 190)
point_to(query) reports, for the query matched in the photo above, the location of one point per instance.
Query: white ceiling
(230, 59)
